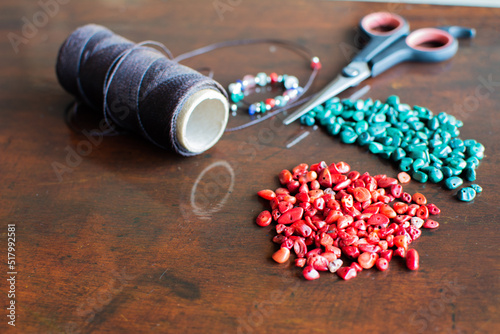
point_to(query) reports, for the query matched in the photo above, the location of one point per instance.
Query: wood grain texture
(138, 240)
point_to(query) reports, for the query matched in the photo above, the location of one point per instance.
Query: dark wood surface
(136, 239)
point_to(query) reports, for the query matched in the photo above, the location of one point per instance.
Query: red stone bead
(400, 251)
(319, 166)
(378, 219)
(346, 273)
(318, 262)
(282, 255)
(274, 77)
(387, 211)
(386, 254)
(382, 264)
(361, 194)
(285, 206)
(400, 207)
(342, 185)
(412, 259)
(403, 177)
(267, 194)
(386, 182)
(343, 167)
(396, 190)
(310, 273)
(419, 199)
(314, 185)
(406, 197)
(300, 262)
(401, 241)
(325, 178)
(285, 177)
(264, 218)
(282, 191)
(302, 229)
(429, 223)
(319, 204)
(303, 197)
(367, 259)
(291, 216)
(351, 251)
(412, 209)
(356, 266)
(423, 212)
(276, 214)
(300, 247)
(293, 186)
(315, 64)
(433, 209)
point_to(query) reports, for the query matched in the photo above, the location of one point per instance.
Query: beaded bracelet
(241, 88)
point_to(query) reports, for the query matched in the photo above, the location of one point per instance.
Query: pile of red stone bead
(325, 211)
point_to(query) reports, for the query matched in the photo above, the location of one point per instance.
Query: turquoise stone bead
(237, 97)
(379, 118)
(397, 140)
(364, 138)
(466, 194)
(358, 116)
(443, 117)
(435, 142)
(385, 155)
(469, 174)
(447, 172)
(333, 129)
(420, 176)
(319, 109)
(386, 141)
(375, 147)
(348, 135)
(456, 143)
(477, 188)
(442, 151)
(416, 125)
(346, 114)
(418, 163)
(433, 123)
(469, 142)
(456, 163)
(453, 182)
(307, 120)
(472, 162)
(435, 159)
(361, 126)
(327, 121)
(475, 149)
(435, 175)
(393, 100)
(336, 109)
(393, 132)
(402, 126)
(417, 154)
(398, 154)
(359, 104)
(405, 164)
(376, 130)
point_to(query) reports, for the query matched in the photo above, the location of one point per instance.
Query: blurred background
(478, 3)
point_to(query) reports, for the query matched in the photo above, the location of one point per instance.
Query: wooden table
(136, 239)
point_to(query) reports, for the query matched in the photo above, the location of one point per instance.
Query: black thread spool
(139, 89)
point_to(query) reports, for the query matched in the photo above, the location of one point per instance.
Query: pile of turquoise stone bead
(423, 144)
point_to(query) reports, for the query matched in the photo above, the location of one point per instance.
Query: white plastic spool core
(202, 120)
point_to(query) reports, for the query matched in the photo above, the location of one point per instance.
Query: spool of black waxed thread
(171, 105)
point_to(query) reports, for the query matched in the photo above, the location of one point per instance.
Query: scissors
(390, 44)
